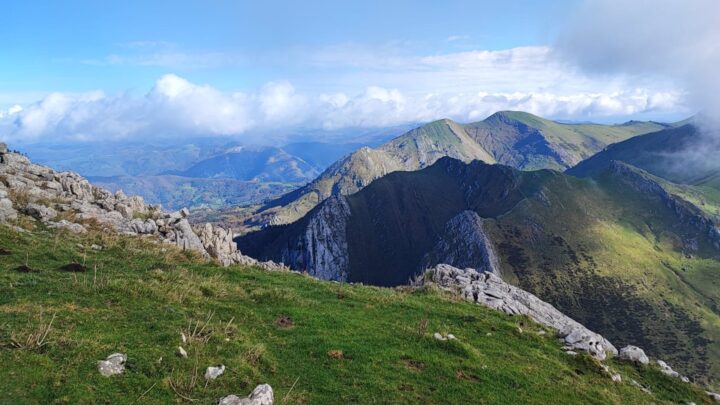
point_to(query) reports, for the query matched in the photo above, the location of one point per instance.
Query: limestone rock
(113, 364)
(70, 226)
(667, 370)
(3, 148)
(464, 244)
(490, 290)
(40, 212)
(634, 354)
(214, 372)
(713, 395)
(7, 212)
(261, 395)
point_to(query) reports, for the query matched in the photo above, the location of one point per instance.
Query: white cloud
(177, 107)
(678, 40)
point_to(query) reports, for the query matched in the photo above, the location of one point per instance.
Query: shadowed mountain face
(516, 139)
(675, 154)
(621, 253)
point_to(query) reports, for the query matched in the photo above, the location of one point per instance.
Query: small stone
(113, 364)
(667, 370)
(261, 395)
(438, 336)
(571, 353)
(713, 395)
(96, 247)
(616, 378)
(181, 352)
(450, 336)
(214, 372)
(183, 338)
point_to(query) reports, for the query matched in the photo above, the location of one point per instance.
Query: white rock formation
(47, 194)
(489, 290)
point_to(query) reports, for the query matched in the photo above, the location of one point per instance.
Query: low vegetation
(315, 342)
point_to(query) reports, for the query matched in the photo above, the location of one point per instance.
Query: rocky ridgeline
(67, 200)
(489, 290)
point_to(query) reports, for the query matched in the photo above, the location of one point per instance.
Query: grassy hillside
(529, 142)
(315, 342)
(619, 261)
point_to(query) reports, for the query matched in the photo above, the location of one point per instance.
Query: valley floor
(314, 342)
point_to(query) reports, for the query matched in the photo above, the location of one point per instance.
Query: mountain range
(517, 139)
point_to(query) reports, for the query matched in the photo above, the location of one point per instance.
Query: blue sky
(95, 70)
(50, 46)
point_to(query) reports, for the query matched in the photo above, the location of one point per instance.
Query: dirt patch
(73, 268)
(284, 322)
(5, 252)
(25, 269)
(336, 354)
(414, 365)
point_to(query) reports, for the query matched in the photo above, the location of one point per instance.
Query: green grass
(137, 297)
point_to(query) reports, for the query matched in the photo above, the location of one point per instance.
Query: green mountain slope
(617, 253)
(529, 142)
(517, 139)
(315, 342)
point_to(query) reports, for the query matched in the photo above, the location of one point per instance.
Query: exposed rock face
(634, 354)
(113, 364)
(47, 195)
(464, 244)
(261, 395)
(489, 290)
(322, 249)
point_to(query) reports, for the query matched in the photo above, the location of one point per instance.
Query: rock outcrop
(66, 200)
(633, 354)
(463, 244)
(490, 290)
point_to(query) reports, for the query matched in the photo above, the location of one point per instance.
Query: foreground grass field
(315, 342)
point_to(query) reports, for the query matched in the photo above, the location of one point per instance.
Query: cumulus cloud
(177, 107)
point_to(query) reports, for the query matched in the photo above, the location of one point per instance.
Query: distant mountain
(176, 192)
(620, 252)
(529, 142)
(253, 163)
(516, 139)
(673, 154)
(414, 150)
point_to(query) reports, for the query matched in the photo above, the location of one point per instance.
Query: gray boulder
(7, 212)
(113, 364)
(261, 395)
(40, 212)
(634, 354)
(70, 226)
(3, 148)
(214, 372)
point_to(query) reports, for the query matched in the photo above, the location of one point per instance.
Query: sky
(89, 70)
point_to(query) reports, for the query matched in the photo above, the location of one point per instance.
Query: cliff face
(464, 244)
(321, 249)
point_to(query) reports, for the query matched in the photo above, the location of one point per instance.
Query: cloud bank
(678, 40)
(464, 86)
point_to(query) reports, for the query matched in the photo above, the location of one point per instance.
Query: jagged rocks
(7, 211)
(489, 290)
(45, 193)
(464, 244)
(40, 212)
(113, 364)
(261, 395)
(634, 354)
